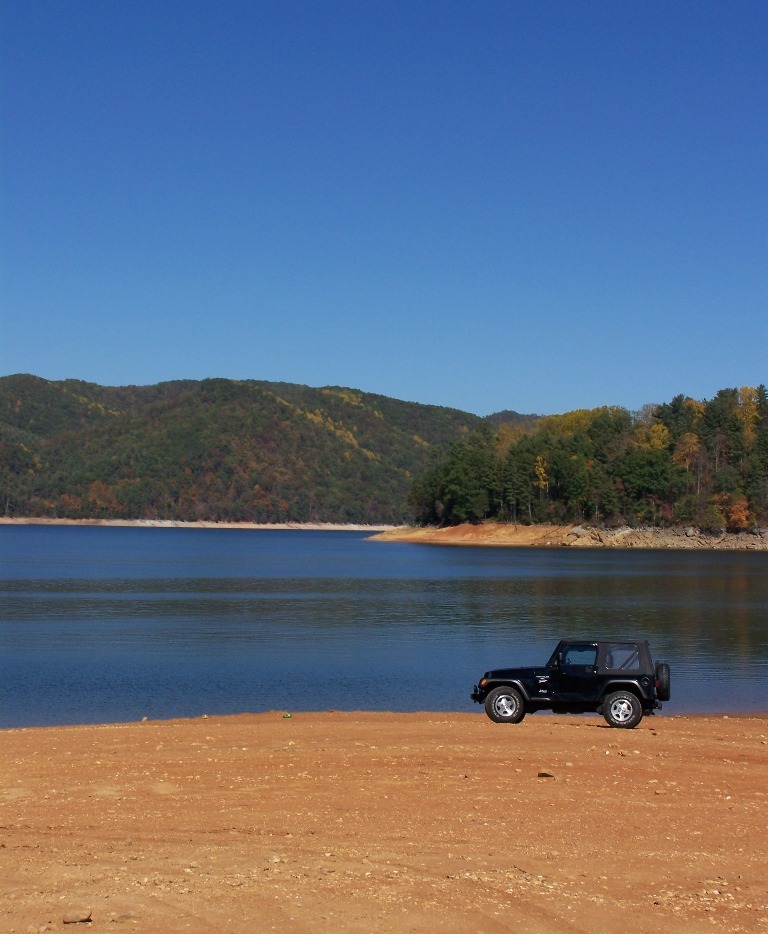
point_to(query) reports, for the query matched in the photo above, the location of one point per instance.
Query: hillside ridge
(214, 450)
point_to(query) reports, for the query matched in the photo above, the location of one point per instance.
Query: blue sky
(537, 206)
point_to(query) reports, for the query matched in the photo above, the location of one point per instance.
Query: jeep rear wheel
(622, 710)
(505, 705)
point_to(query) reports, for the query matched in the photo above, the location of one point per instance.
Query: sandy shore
(387, 823)
(575, 536)
(173, 524)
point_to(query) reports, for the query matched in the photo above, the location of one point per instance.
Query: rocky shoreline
(497, 534)
(689, 538)
(492, 534)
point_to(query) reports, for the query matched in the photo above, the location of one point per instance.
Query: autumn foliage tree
(681, 462)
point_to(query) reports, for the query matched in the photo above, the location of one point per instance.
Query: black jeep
(616, 678)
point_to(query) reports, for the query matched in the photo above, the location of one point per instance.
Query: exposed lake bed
(509, 535)
(385, 822)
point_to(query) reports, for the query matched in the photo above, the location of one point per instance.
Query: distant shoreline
(486, 534)
(178, 524)
(508, 535)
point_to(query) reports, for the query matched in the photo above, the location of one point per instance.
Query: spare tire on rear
(663, 687)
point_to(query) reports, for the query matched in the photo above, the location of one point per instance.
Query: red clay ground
(504, 534)
(379, 822)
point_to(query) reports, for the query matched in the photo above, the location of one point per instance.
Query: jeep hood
(504, 674)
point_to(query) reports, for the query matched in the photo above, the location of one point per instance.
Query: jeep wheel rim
(621, 710)
(505, 706)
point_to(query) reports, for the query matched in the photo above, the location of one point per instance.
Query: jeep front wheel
(505, 705)
(622, 710)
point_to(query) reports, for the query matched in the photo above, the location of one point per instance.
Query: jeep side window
(585, 655)
(622, 656)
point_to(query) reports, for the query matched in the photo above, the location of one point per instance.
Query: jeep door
(574, 677)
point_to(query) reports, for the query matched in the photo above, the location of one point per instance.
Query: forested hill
(214, 450)
(702, 463)
(254, 451)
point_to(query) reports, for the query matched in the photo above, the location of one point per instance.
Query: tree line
(683, 462)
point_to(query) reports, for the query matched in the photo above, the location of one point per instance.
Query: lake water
(114, 624)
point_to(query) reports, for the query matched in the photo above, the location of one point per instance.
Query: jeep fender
(517, 685)
(630, 685)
